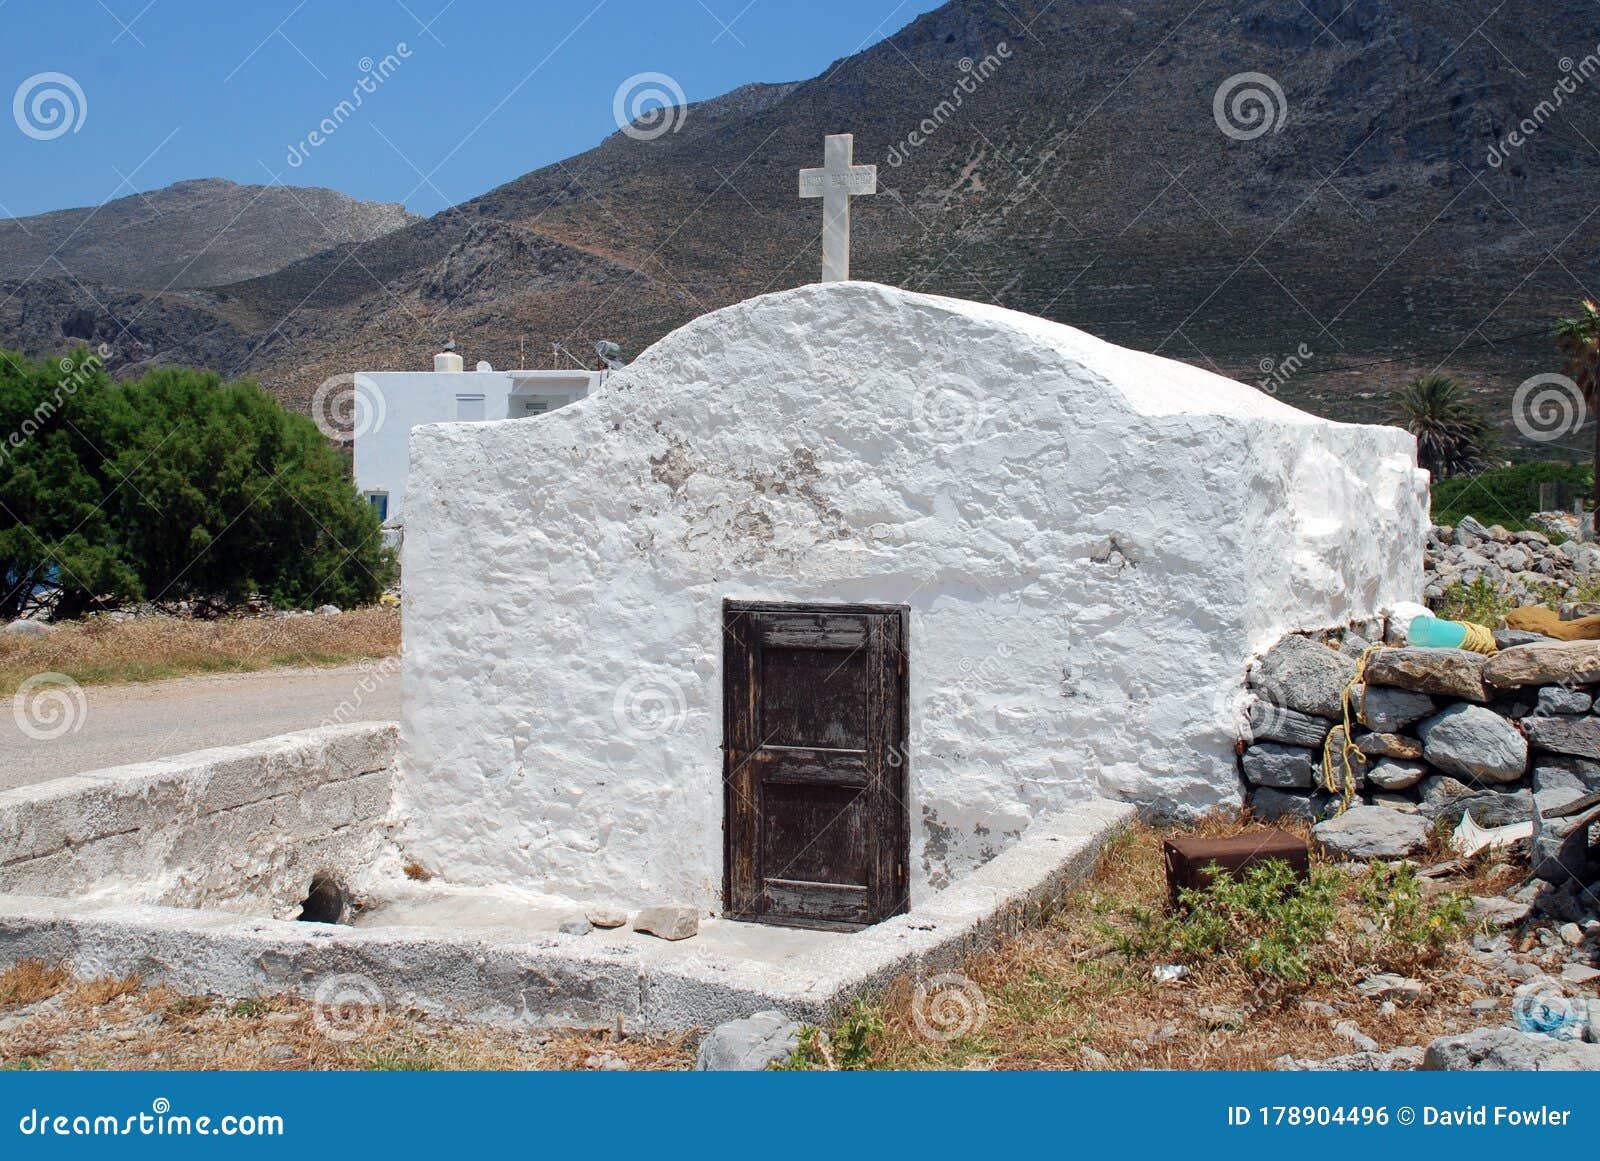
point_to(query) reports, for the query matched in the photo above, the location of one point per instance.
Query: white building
(827, 597)
(388, 404)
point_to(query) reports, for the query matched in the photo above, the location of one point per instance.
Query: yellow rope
(1331, 781)
(1342, 781)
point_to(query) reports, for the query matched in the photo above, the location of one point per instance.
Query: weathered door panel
(817, 823)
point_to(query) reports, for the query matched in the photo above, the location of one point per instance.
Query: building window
(380, 503)
(469, 407)
(525, 405)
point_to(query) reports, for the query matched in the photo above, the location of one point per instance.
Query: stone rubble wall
(1441, 732)
(1529, 567)
(239, 828)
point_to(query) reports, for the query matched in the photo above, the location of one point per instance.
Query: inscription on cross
(836, 183)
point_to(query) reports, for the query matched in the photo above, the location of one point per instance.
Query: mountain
(1093, 162)
(193, 233)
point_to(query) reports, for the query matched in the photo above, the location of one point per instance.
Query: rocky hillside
(1067, 159)
(192, 233)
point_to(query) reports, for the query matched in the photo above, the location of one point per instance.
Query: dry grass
(115, 1024)
(1058, 997)
(30, 981)
(151, 648)
(102, 990)
(1063, 997)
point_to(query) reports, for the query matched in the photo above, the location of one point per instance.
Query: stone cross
(836, 183)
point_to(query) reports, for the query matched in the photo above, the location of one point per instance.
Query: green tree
(1453, 436)
(173, 486)
(1579, 340)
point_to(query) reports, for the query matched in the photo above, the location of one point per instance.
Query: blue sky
(484, 90)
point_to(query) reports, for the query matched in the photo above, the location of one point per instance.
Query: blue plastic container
(1433, 633)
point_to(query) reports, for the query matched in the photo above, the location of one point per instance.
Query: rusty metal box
(1189, 858)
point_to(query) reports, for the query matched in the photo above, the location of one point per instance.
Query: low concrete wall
(240, 829)
(499, 977)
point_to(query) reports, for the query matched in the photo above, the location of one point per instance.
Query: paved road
(135, 723)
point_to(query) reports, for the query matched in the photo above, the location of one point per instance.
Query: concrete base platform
(489, 958)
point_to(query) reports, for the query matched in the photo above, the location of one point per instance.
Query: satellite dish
(483, 365)
(610, 354)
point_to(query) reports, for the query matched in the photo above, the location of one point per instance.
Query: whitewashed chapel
(822, 601)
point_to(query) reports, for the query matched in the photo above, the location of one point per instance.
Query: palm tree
(1579, 340)
(1453, 437)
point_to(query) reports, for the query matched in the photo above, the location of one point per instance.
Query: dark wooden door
(816, 820)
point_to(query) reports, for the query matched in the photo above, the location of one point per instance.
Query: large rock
(1275, 723)
(1561, 852)
(1372, 832)
(1270, 804)
(1398, 1060)
(1439, 790)
(1565, 663)
(1570, 902)
(1391, 986)
(1493, 808)
(1390, 774)
(1495, 911)
(1475, 743)
(1446, 799)
(27, 629)
(1558, 699)
(1508, 1050)
(1301, 674)
(748, 1045)
(1563, 735)
(1381, 745)
(1578, 775)
(1393, 800)
(672, 921)
(1386, 709)
(1447, 672)
(1285, 767)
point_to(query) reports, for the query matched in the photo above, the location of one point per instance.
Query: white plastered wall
(1091, 541)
